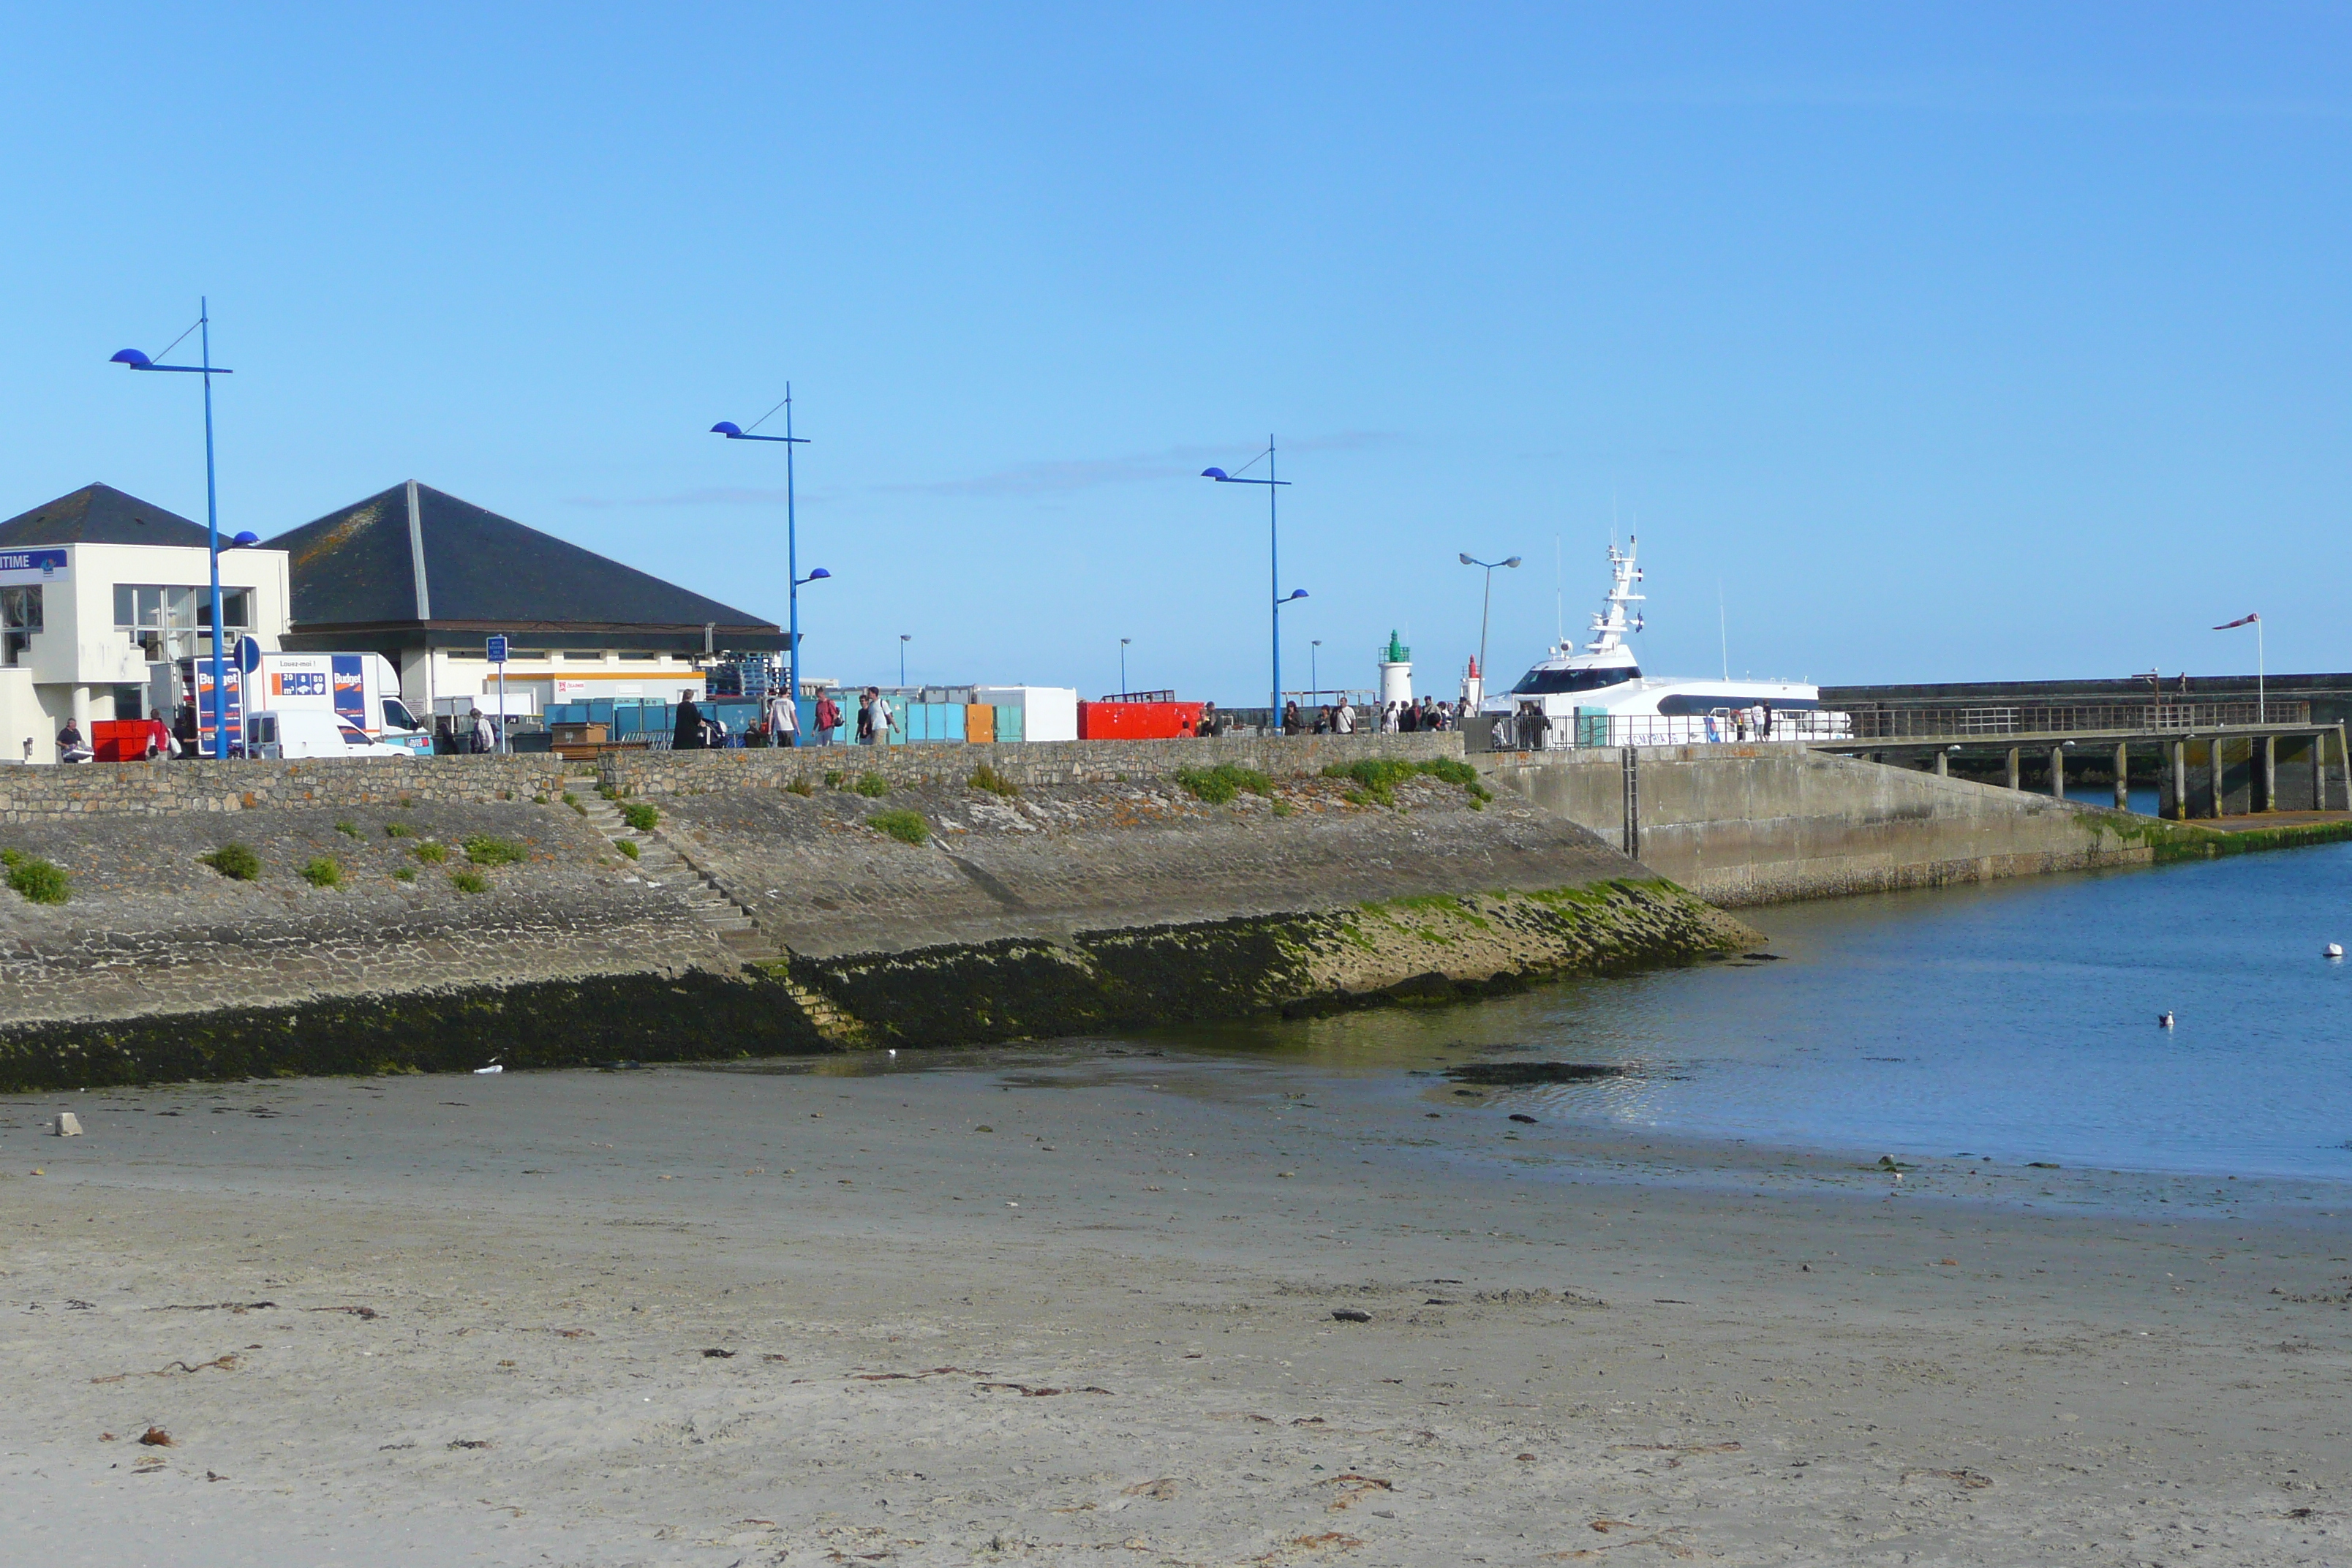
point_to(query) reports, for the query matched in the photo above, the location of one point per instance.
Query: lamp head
(1514, 561)
(817, 573)
(130, 357)
(245, 541)
(727, 428)
(1294, 593)
(1467, 561)
(1218, 474)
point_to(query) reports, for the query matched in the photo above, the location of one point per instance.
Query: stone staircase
(660, 862)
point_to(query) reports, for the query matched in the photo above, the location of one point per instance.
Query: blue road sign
(497, 649)
(248, 655)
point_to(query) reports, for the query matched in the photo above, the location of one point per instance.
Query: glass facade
(20, 617)
(167, 622)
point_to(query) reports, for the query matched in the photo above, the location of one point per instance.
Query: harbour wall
(796, 921)
(1743, 825)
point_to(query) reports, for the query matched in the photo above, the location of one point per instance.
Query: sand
(1076, 1305)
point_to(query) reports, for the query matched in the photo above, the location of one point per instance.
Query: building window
(20, 617)
(166, 622)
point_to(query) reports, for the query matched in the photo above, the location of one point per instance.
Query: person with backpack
(828, 719)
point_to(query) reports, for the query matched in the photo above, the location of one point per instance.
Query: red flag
(2241, 621)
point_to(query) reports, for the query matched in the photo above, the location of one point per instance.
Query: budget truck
(359, 691)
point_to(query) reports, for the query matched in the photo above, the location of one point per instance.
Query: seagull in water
(2164, 1019)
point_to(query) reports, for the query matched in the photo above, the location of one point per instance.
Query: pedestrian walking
(828, 719)
(783, 721)
(688, 735)
(479, 736)
(1344, 721)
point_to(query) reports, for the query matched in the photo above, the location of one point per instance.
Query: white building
(95, 589)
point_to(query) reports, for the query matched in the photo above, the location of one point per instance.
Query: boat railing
(1871, 724)
(1526, 732)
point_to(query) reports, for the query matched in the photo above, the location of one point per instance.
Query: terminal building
(425, 579)
(99, 590)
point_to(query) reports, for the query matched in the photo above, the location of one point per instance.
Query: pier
(2209, 760)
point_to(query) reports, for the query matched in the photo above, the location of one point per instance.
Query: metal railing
(1943, 723)
(1518, 732)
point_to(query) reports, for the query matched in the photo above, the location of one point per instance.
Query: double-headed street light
(734, 432)
(1273, 556)
(138, 360)
(1486, 605)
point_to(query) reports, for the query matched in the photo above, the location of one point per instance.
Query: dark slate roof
(355, 566)
(99, 514)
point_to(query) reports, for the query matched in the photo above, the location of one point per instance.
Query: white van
(308, 732)
(361, 689)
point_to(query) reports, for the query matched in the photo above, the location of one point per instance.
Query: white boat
(1598, 696)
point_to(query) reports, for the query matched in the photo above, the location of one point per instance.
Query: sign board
(497, 649)
(351, 690)
(249, 654)
(32, 563)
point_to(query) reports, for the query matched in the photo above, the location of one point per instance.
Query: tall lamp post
(1486, 605)
(903, 637)
(1273, 553)
(735, 432)
(1122, 664)
(1314, 675)
(208, 370)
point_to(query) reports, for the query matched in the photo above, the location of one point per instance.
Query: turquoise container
(1008, 721)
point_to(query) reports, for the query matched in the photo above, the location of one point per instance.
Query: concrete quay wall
(1755, 824)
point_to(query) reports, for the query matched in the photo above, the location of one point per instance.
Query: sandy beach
(1076, 1304)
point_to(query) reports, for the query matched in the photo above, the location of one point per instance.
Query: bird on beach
(2164, 1019)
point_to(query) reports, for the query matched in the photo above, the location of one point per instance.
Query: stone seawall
(1743, 825)
(798, 921)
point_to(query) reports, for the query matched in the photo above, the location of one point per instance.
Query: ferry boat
(1598, 696)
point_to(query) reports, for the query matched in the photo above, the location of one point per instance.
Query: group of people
(1391, 718)
(779, 723)
(153, 739)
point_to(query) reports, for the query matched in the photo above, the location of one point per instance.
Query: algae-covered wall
(454, 933)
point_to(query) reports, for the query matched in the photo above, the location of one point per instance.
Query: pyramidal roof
(413, 554)
(99, 514)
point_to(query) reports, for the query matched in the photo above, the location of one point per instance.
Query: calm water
(2017, 1021)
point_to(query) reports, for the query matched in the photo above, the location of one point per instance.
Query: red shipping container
(121, 740)
(1138, 720)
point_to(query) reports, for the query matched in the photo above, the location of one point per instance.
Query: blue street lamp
(1273, 553)
(735, 432)
(208, 370)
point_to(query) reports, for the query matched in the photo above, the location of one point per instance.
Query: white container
(1047, 712)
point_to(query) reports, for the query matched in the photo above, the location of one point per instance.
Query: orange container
(120, 740)
(1137, 721)
(978, 722)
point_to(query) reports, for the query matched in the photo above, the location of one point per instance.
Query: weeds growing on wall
(906, 827)
(640, 815)
(34, 878)
(323, 872)
(484, 850)
(405, 874)
(988, 778)
(348, 829)
(1376, 778)
(237, 862)
(1221, 784)
(801, 786)
(431, 852)
(469, 882)
(627, 847)
(398, 830)
(873, 786)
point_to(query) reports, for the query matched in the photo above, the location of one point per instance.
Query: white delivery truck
(308, 732)
(359, 691)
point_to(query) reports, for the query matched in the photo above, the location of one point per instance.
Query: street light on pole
(735, 432)
(1486, 605)
(1273, 552)
(208, 370)
(1122, 664)
(1314, 677)
(903, 637)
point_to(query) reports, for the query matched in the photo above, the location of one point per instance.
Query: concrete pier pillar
(2319, 773)
(1943, 763)
(2270, 774)
(2181, 780)
(2058, 773)
(2220, 789)
(2122, 775)
(2014, 779)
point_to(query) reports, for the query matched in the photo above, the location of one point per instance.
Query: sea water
(2016, 1020)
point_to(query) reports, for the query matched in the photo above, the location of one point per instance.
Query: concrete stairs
(661, 863)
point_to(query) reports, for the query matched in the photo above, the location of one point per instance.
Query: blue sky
(1942, 342)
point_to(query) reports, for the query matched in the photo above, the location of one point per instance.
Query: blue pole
(1273, 564)
(212, 535)
(791, 555)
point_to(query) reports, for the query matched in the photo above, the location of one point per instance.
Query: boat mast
(1610, 624)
